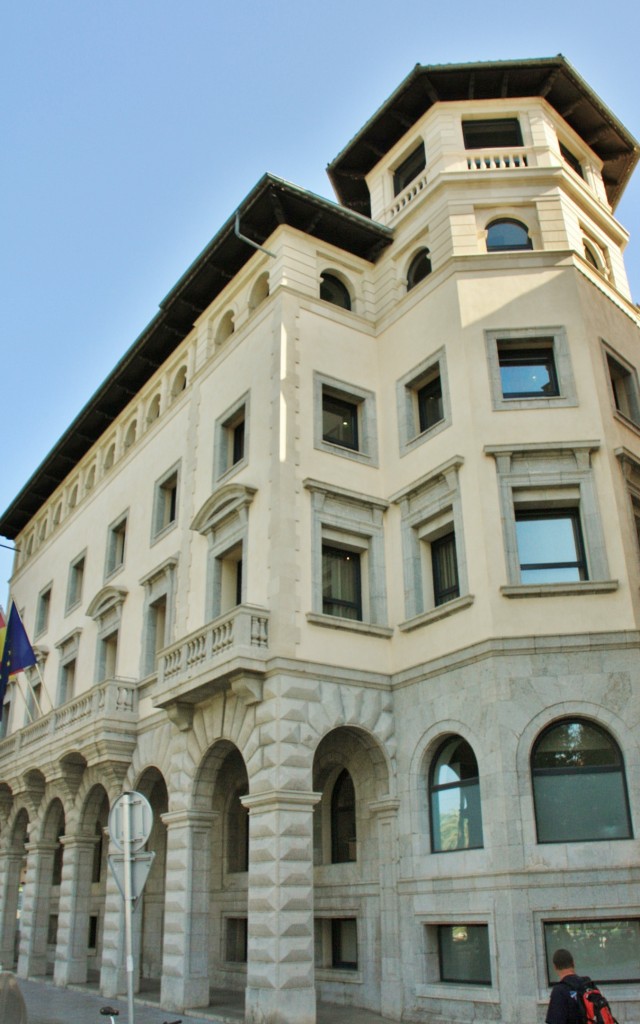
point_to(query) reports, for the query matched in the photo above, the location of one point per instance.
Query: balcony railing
(110, 708)
(234, 642)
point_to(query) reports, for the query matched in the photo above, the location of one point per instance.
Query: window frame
(334, 287)
(419, 269)
(75, 581)
(492, 247)
(560, 512)
(563, 478)
(524, 339)
(586, 771)
(482, 929)
(226, 462)
(431, 509)
(553, 942)
(166, 502)
(435, 788)
(43, 611)
(469, 124)
(352, 521)
(408, 386)
(364, 402)
(343, 554)
(408, 169)
(116, 545)
(626, 406)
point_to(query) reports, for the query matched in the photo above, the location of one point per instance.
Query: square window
(116, 542)
(344, 420)
(166, 503)
(624, 388)
(550, 546)
(464, 954)
(339, 420)
(341, 583)
(42, 611)
(75, 583)
(409, 168)
(492, 133)
(231, 437)
(423, 402)
(528, 371)
(609, 950)
(236, 940)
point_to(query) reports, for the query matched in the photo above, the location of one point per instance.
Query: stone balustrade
(240, 635)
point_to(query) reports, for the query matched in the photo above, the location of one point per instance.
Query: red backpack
(594, 1007)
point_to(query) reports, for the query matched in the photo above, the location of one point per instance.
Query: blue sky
(132, 129)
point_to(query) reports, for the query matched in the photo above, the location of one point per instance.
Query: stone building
(340, 568)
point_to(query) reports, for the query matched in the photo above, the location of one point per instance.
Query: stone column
(10, 865)
(113, 978)
(390, 947)
(32, 961)
(280, 968)
(73, 920)
(185, 956)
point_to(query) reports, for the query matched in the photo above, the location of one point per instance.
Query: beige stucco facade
(175, 581)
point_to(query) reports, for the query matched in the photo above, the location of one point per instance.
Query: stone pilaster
(32, 960)
(185, 959)
(73, 914)
(10, 865)
(113, 978)
(280, 968)
(390, 946)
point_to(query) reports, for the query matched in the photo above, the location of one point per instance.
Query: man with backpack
(575, 1000)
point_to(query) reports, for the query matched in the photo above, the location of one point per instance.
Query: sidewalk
(47, 1004)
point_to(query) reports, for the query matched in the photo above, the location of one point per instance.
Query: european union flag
(17, 654)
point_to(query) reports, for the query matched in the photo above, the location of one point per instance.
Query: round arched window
(454, 790)
(579, 786)
(419, 268)
(334, 291)
(506, 235)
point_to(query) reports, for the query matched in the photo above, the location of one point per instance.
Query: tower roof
(553, 78)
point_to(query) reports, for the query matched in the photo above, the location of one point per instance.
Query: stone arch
(369, 711)
(221, 782)
(357, 751)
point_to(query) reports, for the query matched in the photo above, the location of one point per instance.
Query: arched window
(226, 327)
(579, 786)
(343, 820)
(454, 788)
(179, 382)
(334, 291)
(419, 268)
(506, 235)
(259, 292)
(590, 256)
